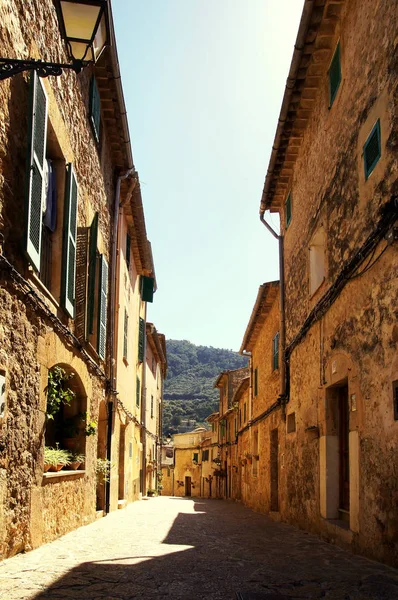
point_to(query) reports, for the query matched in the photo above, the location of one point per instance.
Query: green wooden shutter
(69, 243)
(334, 75)
(147, 285)
(372, 149)
(288, 210)
(138, 392)
(125, 337)
(128, 250)
(102, 305)
(95, 109)
(36, 158)
(141, 340)
(92, 271)
(255, 381)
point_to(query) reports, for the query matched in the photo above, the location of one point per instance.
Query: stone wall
(35, 509)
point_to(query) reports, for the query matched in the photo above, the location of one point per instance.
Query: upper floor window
(372, 149)
(138, 392)
(151, 406)
(125, 334)
(275, 351)
(147, 288)
(97, 293)
(334, 75)
(317, 260)
(288, 210)
(255, 386)
(128, 249)
(95, 109)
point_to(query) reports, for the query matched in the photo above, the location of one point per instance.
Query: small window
(372, 149)
(138, 392)
(126, 330)
(288, 210)
(128, 248)
(395, 398)
(317, 260)
(275, 351)
(95, 109)
(255, 381)
(195, 457)
(244, 412)
(334, 75)
(205, 455)
(291, 423)
(151, 407)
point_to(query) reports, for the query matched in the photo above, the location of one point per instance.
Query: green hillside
(189, 387)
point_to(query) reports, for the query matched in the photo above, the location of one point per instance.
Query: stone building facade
(333, 180)
(65, 167)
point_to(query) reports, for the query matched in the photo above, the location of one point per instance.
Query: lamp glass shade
(100, 40)
(79, 20)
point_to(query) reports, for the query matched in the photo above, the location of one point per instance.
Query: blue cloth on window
(50, 215)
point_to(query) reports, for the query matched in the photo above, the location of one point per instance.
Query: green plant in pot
(55, 458)
(76, 460)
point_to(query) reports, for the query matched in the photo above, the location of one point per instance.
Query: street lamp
(84, 26)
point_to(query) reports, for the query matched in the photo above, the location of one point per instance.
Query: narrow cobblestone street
(183, 548)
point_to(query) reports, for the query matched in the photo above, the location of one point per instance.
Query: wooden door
(344, 459)
(188, 482)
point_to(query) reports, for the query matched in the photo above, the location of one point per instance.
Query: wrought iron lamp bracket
(10, 67)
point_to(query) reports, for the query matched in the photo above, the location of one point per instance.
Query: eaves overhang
(311, 58)
(267, 293)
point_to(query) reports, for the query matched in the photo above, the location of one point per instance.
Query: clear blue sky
(203, 84)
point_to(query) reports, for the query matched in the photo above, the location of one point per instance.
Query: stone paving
(192, 549)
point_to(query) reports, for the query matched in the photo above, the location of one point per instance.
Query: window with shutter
(196, 457)
(102, 306)
(69, 243)
(37, 152)
(255, 381)
(141, 340)
(372, 149)
(125, 338)
(92, 274)
(288, 210)
(147, 285)
(128, 249)
(334, 75)
(395, 398)
(95, 109)
(138, 392)
(275, 352)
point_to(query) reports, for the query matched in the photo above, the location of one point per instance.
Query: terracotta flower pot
(73, 466)
(56, 467)
(47, 467)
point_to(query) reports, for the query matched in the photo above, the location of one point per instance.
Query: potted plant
(76, 460)
(55, 458)
(103, 469)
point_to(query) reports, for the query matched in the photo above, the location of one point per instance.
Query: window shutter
(288, 210)
(372, 149)
(147, 285)
(141, 340)
(103, 296)
(92, 270)
(126, 325)
(334, 75)
(138, 392)
(195, 457)
(36, 158)
(69, 243)
(128, 249)
(275, 351)
(95, 109)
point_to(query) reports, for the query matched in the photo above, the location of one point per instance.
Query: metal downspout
(284, 395)
(143, 412)
(113, 328)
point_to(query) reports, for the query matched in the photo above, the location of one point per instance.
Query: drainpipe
(284, 395)
(143, 412)
(112, 302)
